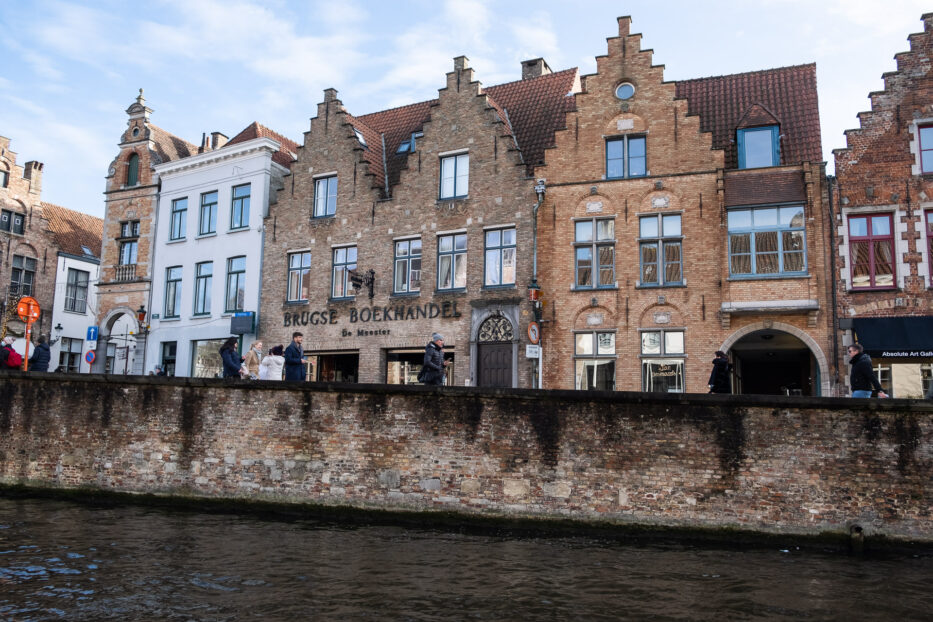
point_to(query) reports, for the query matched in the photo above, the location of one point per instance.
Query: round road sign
(90, 356)
(28, 309)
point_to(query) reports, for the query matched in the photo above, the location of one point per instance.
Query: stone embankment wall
(774, 465)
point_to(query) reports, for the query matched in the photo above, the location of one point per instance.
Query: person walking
(253, 359)
(295, 359)
(862, 378)
(719, 381)
(6, 350)
(232, 361)
(39, 361)
(432, 371)
(272, 364)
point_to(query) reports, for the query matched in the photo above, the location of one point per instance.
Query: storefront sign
(903, 354)
(374, 314)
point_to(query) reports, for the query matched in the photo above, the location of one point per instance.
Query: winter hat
(277, 350)
(437, 337)
(8, 340)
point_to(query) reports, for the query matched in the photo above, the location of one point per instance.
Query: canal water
(67, 561)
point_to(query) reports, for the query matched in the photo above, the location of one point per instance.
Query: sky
(71, 68)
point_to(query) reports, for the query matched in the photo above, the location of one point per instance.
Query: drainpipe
(534, 288)
(831, 182)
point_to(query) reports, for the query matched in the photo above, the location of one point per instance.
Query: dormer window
(359, 137)
(408, 146)
(759, 147)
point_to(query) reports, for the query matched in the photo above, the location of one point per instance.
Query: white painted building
(208, 244)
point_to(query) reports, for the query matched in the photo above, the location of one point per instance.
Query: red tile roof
(168, 146)
(787, 93)
(397, 124)
(286, 153)
(73, 230)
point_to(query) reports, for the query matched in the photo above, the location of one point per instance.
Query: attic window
(625, 90)
(759, 147)
(359, 137)
(409, 145)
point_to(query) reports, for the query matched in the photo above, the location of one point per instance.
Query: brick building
(131, 198)
(417, 219)
(684, 218)
(883, 217)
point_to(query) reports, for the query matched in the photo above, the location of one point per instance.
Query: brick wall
(771, 465)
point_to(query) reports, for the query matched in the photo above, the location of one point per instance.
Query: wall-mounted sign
(365, 315)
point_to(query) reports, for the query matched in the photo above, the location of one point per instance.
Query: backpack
(14, 359)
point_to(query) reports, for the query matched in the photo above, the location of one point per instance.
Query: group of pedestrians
(256, 366)
(39, 361)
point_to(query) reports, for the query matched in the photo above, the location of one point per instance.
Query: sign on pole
(29, 311)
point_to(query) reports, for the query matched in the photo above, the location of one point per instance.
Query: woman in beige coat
(252, 359)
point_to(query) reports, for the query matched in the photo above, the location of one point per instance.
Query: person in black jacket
(232, 361)
(432, 371)
(39, 361)
(862, 378)
(719, 381)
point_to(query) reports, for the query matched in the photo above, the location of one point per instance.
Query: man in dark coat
(862, 378)
(39, 361)
(295, 359)
(719, 378)
(432, 372)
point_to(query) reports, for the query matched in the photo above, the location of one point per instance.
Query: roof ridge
(547, 75)
(156, 127)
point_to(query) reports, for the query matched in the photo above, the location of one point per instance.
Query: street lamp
(58, 334)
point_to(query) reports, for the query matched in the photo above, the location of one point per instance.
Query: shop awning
(895, 337)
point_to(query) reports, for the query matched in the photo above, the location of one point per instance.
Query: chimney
(218, 140)
(33, 172)
(205, 143)
(534, 68)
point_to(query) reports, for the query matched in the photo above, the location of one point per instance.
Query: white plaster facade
(221, 170)
(74, 309)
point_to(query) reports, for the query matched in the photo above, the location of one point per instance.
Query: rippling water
(65, 561)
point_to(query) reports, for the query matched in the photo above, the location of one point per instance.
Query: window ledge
(239, 229)
(764, 277)
(499, 287)
(200, 316)
(342, 299)
(170, 319)
(454, 292)
(295, 303)
(662, 286)
(201, 236)
(322, 219)
(404, 294)
(462, 199)
(871, 290)
(177, 241)
(605, 288)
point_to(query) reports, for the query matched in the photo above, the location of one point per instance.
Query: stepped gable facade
(404, 222)
(883, 224)
(131, 197)
(682, 218)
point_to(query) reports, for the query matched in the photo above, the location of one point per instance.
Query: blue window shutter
(775, 146)
(740, 142)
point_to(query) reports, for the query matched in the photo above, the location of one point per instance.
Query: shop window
(69, 356)
(926, 148)
(767, 241)
(169, 353)
(455, 176)
(179, 219)
(407, 266)
(759, 146)
(172, 292)
(299, 276)
(344, 267)
(595, 361)
(203, 281)
(626, 156)
(207, 222)
(926, 377)
(23, 275)
(662, 362)
(325, 196)
(594, 253)
(336, 366)
(76, 290)
(205, 360)
(500, 257)
(451, 261)
(871, 251)
(235, 297)
(12, 221)
(660, 250)
(239, 207)
(883, 372)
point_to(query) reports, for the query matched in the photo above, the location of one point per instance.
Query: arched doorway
(494, 352)
(769, 361)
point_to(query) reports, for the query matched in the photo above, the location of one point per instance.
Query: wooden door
(495, 364)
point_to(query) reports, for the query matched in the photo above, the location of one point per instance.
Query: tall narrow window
(767, 241)
(4, 179)
(132, 170)
(172, 292)
(926, 148)
(23, 275)
(325, 197)
(759, 146)
(455, 176)
(662, 361)
(239, 209)
(235, 297)
(76, 291)
(169, 353)
(500, 257)
(451, 261)
(626, 156)
(407, 266)
(344, 264)
(203, 282)
(594, 253)
(69, 356)
(595, 361)
(128, 252)
(179, 219)
(299, 276)
(871, 251)
(208, 219)
(660, 249)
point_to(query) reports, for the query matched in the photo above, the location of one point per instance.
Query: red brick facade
(883, 217)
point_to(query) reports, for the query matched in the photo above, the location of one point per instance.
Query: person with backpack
(10, 358)
(39, 361)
